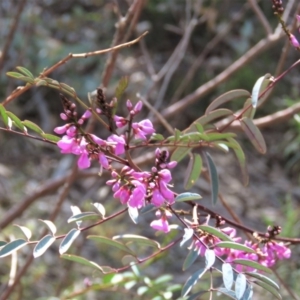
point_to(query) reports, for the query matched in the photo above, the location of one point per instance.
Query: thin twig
(12, 32)
(22, 89)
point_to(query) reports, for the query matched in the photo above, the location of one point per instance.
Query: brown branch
(12, 32)
(210, 85)
(22, 89)
(122, 33)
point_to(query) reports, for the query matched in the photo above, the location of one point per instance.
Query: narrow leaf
(121, 87)
(190, 258)
(227, 274)
(25, 72)
(89, 215)
(215, 232)
(259, 86)
(240, 285)
(213, 178)
(229, 96)
(148, 208)
(81, 260)
(236, 246)
(14, 74)
(241, 158)
(193, 171)
(252, 264)
(157, 137)
(17, 121)
(24, 78)
(210, 258)
(26, 231)
(32, 126)
(263, 278)
(9, 248)
(188, 233)
(50, 225)
(180, 153)
(133, 214)
(254, 135)
(68, 240)
(4, 115)
(51, 137)
(212, 116)
(250, 112)
(187, 197)
(41, 247)
(111, 242)
(2, 243)
(67, 88)
(270, 289)
(100, 208)
(129, 238)
(192, 280)
(226, 292)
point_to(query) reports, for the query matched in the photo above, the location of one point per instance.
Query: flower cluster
(132, 187)
(266, 252)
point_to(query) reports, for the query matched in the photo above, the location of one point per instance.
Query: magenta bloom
(68, 145)
(137, 197)
(157, 198)
(123, 193)
(294, 41)
(118, 143)
(84, 161)
(161, 224)
(120, 121)
(142, 129)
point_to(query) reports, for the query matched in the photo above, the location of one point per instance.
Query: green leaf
(215, 232)
(17, 121)
(32, 126)
(100, 208)
(40, 82)
(252, 264)
(190, 258)
(259, 86)
(133, 214)
(25, 72)
(229, 96)
(121, 87)
(226, 292)
(14, 74)
(219, 136)
(240, 285)
(51, 137)
(254, 135)
(111, 242)
(263, 278)
(67, 88)
(212, 116)
(236, 246)
(227, 274)
(210, 258)
(26, 231)
(68, 240)
(177, 135)
(4, 115)
(11, 247)
(180, 153)
(89, 215)
(187, 197)
(50, 225)
(213, 178)
(193, 171)
(41, 247)
(2, 243)
(129, 238)
(24, 78)
(82, 260)
(157, 137)
(235, 146)
(270, 289)
(250, 112)
(192, 280)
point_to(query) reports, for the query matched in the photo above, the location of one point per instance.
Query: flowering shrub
(201, 231)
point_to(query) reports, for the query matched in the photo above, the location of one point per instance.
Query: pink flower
(142, 129)
(84, 161)
(118, 143)
(137, 197)
(161, 224)
(294, 41)
(166, 193)
(120, 121)
(97, 140)
(157, 198)
(68, 145)
(123, 193)
(61, 129)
